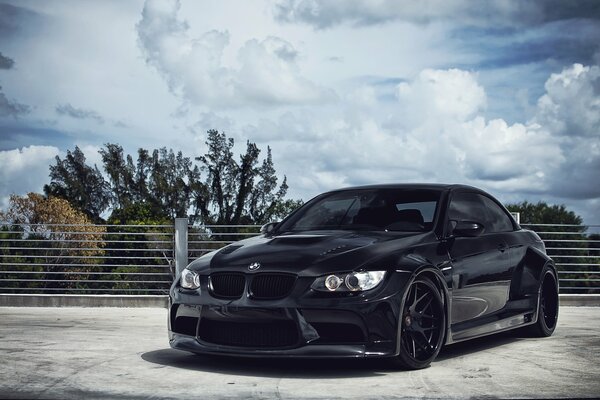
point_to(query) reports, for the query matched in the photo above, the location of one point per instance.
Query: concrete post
(517, 216)
(181, 245)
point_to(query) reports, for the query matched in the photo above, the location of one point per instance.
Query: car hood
(312, 253)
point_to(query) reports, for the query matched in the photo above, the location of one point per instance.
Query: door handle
(502, 247)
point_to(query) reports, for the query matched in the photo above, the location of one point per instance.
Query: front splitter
(191, 344)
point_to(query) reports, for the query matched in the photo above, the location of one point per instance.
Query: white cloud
(24, 170)
(448, 94)
(437, 133)
(571, 105)
(570, 111)
(193, 67)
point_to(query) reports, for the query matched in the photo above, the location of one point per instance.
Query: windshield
(367, 209)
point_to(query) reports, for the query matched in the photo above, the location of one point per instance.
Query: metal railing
(575, 250)
(85, 259)
(142, 259)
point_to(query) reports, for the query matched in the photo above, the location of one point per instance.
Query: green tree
(237, 192)
(80, 184)
(163, 184)
(170, 181)
(120, 173)
(543, 213)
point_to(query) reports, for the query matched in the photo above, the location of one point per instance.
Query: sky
(502, 95)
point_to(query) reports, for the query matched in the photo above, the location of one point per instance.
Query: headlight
(352, 282)
(189, 279)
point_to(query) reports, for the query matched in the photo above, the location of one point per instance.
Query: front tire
(547, 305)
(423, 325)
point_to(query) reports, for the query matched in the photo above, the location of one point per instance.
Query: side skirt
(497, 324)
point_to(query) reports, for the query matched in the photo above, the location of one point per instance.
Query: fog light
(332, 282)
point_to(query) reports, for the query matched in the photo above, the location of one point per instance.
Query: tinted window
(426, 208)
(497, 219)
(466, 207)
(475, 207)
(368, 209)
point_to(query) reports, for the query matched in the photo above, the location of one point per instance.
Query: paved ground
(124, 353)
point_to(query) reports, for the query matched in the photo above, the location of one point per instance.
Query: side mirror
(268, 228)
(468, 229)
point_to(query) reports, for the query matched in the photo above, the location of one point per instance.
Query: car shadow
(307, 368)
(268, 367)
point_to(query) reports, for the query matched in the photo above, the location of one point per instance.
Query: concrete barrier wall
(74, 300)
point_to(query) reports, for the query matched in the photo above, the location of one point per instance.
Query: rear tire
(422, 325)
(547, 305)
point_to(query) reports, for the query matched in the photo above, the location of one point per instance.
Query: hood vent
(298, 239)
(336, 250)
(230, 249)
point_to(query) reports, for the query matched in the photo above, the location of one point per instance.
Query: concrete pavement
(124, 353)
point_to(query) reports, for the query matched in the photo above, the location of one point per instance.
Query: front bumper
(304, 324)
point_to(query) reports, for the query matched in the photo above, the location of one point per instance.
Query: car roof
(409, 186)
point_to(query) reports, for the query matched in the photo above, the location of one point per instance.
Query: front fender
(433, 273)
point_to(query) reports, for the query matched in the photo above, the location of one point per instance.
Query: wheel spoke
(430, 328)
(414, 303)
(422, 297)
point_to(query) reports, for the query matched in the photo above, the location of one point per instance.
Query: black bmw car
(391, 271)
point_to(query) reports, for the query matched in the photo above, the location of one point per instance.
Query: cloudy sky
(503, 95)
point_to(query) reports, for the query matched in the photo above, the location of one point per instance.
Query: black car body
(376, 271)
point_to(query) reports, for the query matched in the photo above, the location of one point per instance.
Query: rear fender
(528, 274)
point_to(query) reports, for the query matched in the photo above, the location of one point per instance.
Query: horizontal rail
(87, 241)
(148, 226)
(85, 273)
(579, 272)
(574, 248)
(561, 233)
(571, 256)
(210, 241)
(576, 264)
(563, 225)
(80, 249)
(571, 240)
(200, 250)
(222, 226)
(83, 257)
(78, 281)
(88, 265)
(90, 233)
(223, 233)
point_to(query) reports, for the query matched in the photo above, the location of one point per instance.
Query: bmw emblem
(254, 266)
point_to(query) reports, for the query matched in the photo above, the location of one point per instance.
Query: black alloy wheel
(548, 305)
(423, 324)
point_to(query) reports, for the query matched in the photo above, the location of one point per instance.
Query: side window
(497, 220)
(475, 207)
(426, 208)
(466, 207)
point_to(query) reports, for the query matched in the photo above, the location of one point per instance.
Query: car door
(480, 264)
